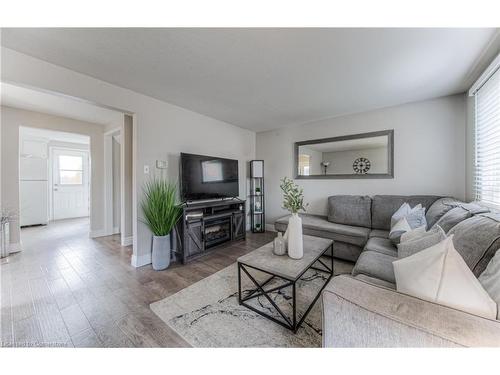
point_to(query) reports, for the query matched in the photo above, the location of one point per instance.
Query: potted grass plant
(161, 212)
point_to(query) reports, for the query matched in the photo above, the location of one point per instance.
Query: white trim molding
(97, 233)
(139, 261)
(490, 70)
(15, 247)
(127, 241)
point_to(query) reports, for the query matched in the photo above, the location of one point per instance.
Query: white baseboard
(116, 230)
(15, 247)
(97, 233)
(127, 241)
(270, 228)
(141, 260)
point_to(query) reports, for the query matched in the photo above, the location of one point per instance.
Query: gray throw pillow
(452, 218)
(431, 238)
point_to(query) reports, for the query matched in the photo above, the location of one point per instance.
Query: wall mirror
(367, 155)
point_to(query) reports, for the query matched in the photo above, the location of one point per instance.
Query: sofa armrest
(360, 314)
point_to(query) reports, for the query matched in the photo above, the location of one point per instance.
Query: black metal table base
(292, 322)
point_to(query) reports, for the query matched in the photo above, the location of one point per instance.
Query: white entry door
(70, 187)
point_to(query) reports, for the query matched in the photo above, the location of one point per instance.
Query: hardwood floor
(66, 289)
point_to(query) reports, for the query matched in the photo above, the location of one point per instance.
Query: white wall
(341, 161)
(160, 129)
(429, 153)
(12, 119)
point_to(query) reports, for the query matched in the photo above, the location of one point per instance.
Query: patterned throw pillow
(414, 218)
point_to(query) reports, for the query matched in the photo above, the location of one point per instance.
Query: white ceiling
(52, 135)
(40, 101)
(268, 78)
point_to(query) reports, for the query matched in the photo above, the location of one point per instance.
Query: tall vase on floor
(160, 257)
(293, 201)
(161, 213)
(295, 241)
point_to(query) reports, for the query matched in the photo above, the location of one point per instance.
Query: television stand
(205, 225)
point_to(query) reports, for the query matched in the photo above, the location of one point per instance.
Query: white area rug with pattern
(207, 313)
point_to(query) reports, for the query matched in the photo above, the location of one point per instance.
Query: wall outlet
(146, 169)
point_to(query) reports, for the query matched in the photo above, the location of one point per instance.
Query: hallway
(66, 289)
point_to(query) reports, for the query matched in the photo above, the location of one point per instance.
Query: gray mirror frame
(390, 167)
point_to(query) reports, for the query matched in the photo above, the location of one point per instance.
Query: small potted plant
(293, 201)
(161, 213)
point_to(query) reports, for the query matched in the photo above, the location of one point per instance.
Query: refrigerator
(33, 191)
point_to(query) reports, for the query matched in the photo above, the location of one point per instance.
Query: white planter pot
(295, 241)
(160, 257)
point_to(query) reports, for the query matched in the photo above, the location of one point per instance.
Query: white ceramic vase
(161, 252)
(295, 242)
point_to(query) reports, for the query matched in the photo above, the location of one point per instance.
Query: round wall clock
(361, 165)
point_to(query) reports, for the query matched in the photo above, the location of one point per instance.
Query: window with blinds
(487, 141)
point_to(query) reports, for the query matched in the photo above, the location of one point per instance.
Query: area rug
(207, 313)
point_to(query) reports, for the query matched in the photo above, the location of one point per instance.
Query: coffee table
(286, 269)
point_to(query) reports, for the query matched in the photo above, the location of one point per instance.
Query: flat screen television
(208, 177)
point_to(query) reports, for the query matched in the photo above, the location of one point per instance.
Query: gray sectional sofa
(364, 309)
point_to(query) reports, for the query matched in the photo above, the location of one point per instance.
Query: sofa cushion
(490, 280)
(452, 218)
(381, 245)
(438, 209)
(316, 225)
(379, 233)
(384, 206)
(413, 234)
(346, 251)
(477, 239)
(374, 264)
(350, 210)
(374, 281)
(428, 239)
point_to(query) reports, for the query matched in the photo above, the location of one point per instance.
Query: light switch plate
(161, 164)
(146, 169)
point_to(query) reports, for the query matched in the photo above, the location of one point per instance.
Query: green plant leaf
(160, 207)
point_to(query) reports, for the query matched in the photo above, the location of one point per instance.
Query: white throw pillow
(413, 234)
(439, 274)
(398, 230)
(490, 280)
(400, 213)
